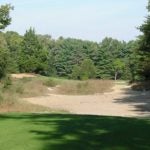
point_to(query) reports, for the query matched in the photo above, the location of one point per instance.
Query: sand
(122, 101)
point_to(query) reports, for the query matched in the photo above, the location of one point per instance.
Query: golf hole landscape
(70, 93)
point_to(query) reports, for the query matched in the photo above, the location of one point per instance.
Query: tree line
(73, 58)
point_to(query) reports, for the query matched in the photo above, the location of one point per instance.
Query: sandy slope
(120, 102)
(22, 75)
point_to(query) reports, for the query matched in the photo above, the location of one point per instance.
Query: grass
(22, 106)
(38, 86)
(36, 131)
(72, 132)
(11, 94)
(77, 87)
(50, 82)
(122, 82)
(29, 87)
(72, 87)
(12, 91)
(25, 87)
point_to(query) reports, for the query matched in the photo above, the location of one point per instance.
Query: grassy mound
(88, 87)
(11, 92)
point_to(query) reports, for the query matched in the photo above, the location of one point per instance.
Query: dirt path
(120, 102)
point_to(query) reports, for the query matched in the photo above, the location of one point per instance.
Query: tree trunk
(116, 75)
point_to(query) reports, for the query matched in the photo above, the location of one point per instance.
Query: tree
(14, 40)
(118, 66)
(5, 18)
(33, 57)
(109, 50)
(84, 71)
(148, 7)
(4, 56)
(4, 52)
(144, 48)
(87, 69)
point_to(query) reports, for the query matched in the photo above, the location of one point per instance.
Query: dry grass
(20, 88)
(7, 98)
(84, 87)
(26, 87)
(21, 106)
(31, 88)
(10, 97)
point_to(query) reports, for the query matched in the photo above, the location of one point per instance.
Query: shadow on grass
(80, 132)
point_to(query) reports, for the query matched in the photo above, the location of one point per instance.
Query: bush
(85, 71)
(76, 72)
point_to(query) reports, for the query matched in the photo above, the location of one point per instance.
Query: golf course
(75, 75)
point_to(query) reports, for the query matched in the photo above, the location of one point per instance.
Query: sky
(84, 19)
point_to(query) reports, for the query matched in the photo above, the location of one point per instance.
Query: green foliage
(110, 50)
(30, 46)
(33, 57)
(5, 19)
(76, 72)
(69, 58)
(14, 40)
(3, 62)
(87, 69)
(4, 56)
(148, 7)
(118, 67)
(131, 61)
(73, 58)
(144, 48)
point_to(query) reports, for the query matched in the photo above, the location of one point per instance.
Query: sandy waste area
(122, 101)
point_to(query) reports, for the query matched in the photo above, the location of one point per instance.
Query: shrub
(76, 72)
(85, 71)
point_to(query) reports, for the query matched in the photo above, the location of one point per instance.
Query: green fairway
(72, 132)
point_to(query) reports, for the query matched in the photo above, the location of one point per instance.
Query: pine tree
(144, 47)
